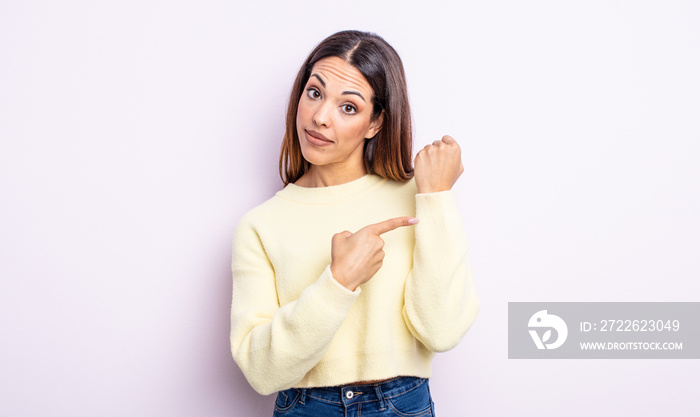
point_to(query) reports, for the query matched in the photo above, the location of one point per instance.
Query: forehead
(337, 73)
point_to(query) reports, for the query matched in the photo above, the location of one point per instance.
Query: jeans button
(349, 395)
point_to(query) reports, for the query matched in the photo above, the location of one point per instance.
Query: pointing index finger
(391, 224)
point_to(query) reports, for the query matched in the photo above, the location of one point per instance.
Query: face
(334, 115)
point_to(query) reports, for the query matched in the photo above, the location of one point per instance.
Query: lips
(316, 138)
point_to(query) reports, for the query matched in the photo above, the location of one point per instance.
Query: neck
(329, 175)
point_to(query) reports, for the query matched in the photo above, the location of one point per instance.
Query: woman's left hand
(438, 166)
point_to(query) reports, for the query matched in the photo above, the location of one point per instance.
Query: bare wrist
(341, 280)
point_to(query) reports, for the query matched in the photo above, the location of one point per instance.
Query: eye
(313, 93)
(349, 109)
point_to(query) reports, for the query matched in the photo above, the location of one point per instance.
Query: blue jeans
(401, 396)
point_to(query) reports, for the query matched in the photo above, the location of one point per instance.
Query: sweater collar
(331, 194)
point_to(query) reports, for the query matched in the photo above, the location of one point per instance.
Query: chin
(312, 156)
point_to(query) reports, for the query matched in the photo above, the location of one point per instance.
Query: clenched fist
(438, 166)
(356, 257)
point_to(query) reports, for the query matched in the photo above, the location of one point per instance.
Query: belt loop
(303, 396)
(380, 397)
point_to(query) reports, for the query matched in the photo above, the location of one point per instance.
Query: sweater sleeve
(275, 346)
(440, 299)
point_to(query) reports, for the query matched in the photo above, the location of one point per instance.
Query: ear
(375, 126)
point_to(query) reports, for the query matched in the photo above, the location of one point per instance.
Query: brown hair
(388, 154)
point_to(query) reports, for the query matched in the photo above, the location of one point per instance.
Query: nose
(322, 115)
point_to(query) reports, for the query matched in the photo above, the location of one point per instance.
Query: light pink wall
(134, 134)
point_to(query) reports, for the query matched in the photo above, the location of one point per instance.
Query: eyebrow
(355, 93)
(323, 83)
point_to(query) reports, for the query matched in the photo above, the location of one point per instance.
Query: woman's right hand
(356, 257)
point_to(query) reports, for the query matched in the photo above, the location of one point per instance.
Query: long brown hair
(389, 153)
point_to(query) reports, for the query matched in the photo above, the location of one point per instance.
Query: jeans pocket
(286, 400)
(413, 403)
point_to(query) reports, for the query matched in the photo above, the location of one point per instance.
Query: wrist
(341, 279)
(430, 190)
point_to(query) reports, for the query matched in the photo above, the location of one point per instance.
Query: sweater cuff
(334, 294)
(443, 203)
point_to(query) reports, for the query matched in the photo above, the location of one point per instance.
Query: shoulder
(261, 214)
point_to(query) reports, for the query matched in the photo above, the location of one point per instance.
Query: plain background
(134, 135)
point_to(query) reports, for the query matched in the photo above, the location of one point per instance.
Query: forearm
(275, 347)
(440, 299)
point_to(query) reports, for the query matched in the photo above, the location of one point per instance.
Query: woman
(340, 296)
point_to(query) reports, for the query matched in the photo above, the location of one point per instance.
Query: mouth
(316, 138)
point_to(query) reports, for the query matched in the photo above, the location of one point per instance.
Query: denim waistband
(354, 394)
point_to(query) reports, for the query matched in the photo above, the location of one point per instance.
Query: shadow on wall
(247, 401)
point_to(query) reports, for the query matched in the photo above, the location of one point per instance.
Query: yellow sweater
(293, 325)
